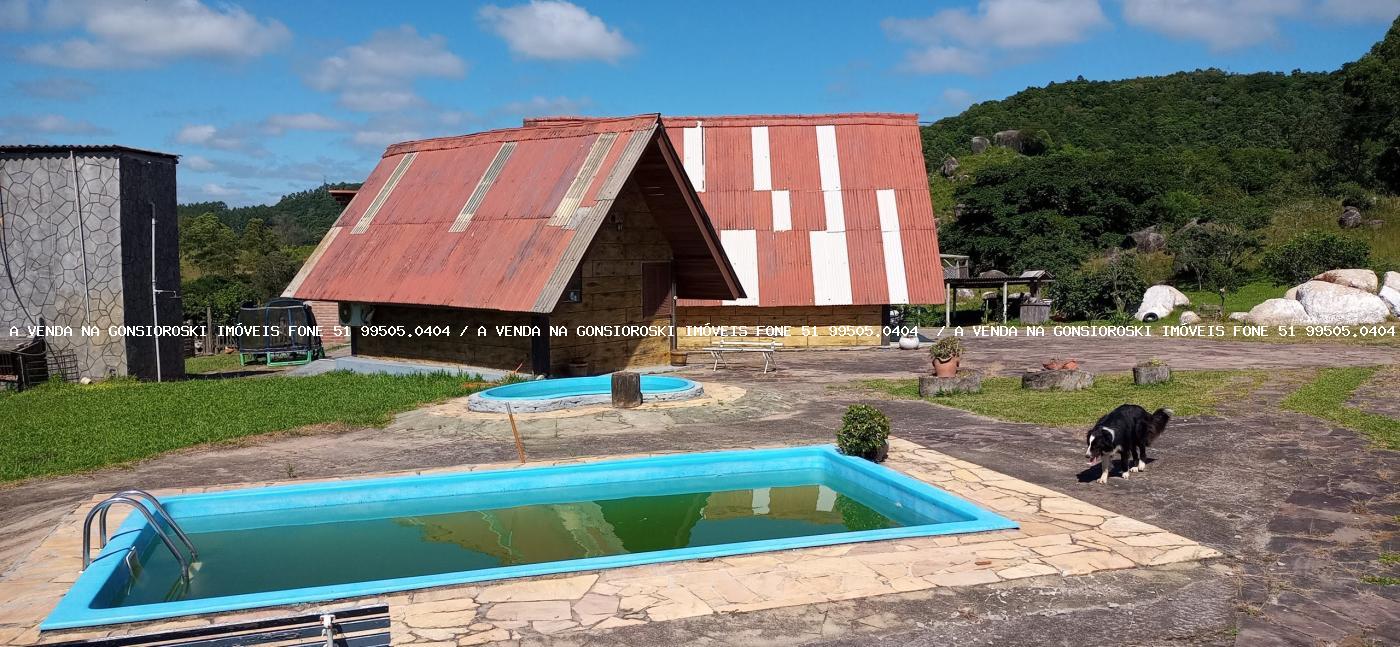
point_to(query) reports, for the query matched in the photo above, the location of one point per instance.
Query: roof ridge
(549, 130)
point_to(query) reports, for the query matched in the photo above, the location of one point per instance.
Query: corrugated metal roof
(838, 204)
(500, 220)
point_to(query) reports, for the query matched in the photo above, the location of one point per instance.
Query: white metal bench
(725, 346)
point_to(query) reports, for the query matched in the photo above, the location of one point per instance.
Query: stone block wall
(67, 241)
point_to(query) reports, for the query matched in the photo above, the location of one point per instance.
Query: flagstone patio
(1059, 536)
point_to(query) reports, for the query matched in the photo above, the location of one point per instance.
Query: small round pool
(562, 393)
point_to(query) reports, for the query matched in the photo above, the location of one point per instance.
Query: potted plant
(864, 432)
(946, 354)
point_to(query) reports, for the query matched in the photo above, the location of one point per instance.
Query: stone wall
(67, 269)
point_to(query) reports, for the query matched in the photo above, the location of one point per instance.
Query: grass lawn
(1190, 393)
(1326, 397)
(221, 363)
(60, 429)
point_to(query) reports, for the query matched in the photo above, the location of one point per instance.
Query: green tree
(209, 245)
(1371, 128)
(272, 272)
(258, 239)
(223, 294)
(1213, 254)
(1311, 253)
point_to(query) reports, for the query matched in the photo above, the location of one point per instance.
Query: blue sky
(263, 98)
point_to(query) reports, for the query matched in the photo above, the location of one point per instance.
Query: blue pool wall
(562, 393)
(81, 606)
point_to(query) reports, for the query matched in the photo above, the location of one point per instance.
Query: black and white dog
(1128, 430)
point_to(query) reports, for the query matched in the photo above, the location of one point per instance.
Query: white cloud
(220, 191)
(555, 30)
(209, 136)
(50, 124)
(378, 74)
(957, 98)
(143, 34)
(1360, 10)
(57, 88)
(938, 59)
(961, 41)
(382, 137)
(278, 124)
(14, 14)
(1221, 24)
(197, 163)
(544, 107)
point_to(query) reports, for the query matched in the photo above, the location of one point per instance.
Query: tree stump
(626, 390)
(1058, 380)
(963, 382)
(1150, 374)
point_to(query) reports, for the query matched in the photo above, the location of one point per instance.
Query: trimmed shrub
(864, 430)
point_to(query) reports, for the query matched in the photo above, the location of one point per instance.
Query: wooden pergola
(1033, 278)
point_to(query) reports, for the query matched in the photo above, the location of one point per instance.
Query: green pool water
(372, 546)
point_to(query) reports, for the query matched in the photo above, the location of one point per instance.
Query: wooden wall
(862, 324)
(490, 351)
(612, 293)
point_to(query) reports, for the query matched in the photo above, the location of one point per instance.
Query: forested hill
(1210, 108)
(1198, 177)
(299, 218)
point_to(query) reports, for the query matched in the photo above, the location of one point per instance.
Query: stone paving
(1380, 394)
(1058, 536)
(1302, 509)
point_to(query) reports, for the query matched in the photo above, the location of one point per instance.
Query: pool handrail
(113, 500)
(160, 512)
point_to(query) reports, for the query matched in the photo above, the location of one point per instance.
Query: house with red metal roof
(827, 220)
(529, 248)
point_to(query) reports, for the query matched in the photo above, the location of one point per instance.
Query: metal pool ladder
(137, 500)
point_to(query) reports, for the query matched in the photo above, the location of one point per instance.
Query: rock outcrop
(950, 167)
(1009, 139)
(1276, 312)
(1331, 303)
(1350, 218)
(1190, 318)
(1159, 301)
(1359, 279)
(1392, 280)
(1149, 239)
(980, 144)
(1391, 297)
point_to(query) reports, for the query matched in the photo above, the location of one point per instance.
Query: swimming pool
(560, 393)
(289, 544)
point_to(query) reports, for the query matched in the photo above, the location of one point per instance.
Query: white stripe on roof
(782, 211)
(762, 166)
(835, 211)
(831, 268)
(741, 246)
(827, 159)
(893, 246)
(693, 142)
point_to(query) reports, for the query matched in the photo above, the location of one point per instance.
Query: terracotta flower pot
(947, 368)
(1053, 365)
(1070, 365)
